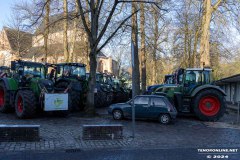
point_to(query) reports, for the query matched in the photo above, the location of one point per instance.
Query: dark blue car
(146, 107)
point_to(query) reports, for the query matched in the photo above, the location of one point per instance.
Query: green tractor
(28, 91)
(73, 75)
(194, 92)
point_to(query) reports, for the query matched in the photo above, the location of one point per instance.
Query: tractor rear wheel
(209, 105)
(25, 104)
(4, 98)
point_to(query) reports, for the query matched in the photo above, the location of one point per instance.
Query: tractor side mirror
(13, 65)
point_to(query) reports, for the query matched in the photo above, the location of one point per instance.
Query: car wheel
(117, 115)
(164, 119)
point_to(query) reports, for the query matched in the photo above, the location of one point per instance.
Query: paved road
(148, 154)
(58, 133)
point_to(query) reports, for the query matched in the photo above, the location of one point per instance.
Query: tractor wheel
(25, 104)
(4, 98)
(209, 105)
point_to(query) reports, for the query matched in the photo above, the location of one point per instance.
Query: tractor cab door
(192, 79)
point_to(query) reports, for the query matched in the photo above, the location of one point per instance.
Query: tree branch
(141, 1)
(100, 7)
(215, 6)
(83, 18)
(112, 35)
(41, 14)
(106, 23)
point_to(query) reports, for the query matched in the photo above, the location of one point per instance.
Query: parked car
(146, 107)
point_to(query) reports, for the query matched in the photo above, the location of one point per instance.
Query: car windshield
(35, 71)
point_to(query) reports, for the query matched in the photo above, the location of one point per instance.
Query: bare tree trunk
(65, 36)
(143, 50)
(74, 34)
(184, 58)
(155, 46)
(46, 31)
(90, 109)
(204, 44)
(135, 59)
(196, 38)
(208, 9)
(189, 48)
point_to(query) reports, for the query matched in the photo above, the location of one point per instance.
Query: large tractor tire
(25, 104)
(209, 105)
(4, 99)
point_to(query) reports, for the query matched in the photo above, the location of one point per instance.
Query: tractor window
(99, 78)
(34, 71)
(193, 77)
(207, 77)
(78, 71)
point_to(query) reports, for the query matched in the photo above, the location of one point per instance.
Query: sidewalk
(65, 133)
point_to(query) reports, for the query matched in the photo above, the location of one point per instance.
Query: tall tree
(65, 30)
(74, 34)
(95, 35)
(208, 10)
(46, 31)
(155, 44)
(135, 59)
(143, 49)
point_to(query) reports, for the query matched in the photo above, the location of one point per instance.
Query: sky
(5, 8)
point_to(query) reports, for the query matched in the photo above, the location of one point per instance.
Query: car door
(157, 106)
(141, 104)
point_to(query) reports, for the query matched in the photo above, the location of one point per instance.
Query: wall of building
(233, 92)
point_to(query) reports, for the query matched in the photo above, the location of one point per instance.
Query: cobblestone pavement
(65, 133)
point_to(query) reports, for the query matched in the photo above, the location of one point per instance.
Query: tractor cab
(192, 78)
(71, 70)
(25, 71)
